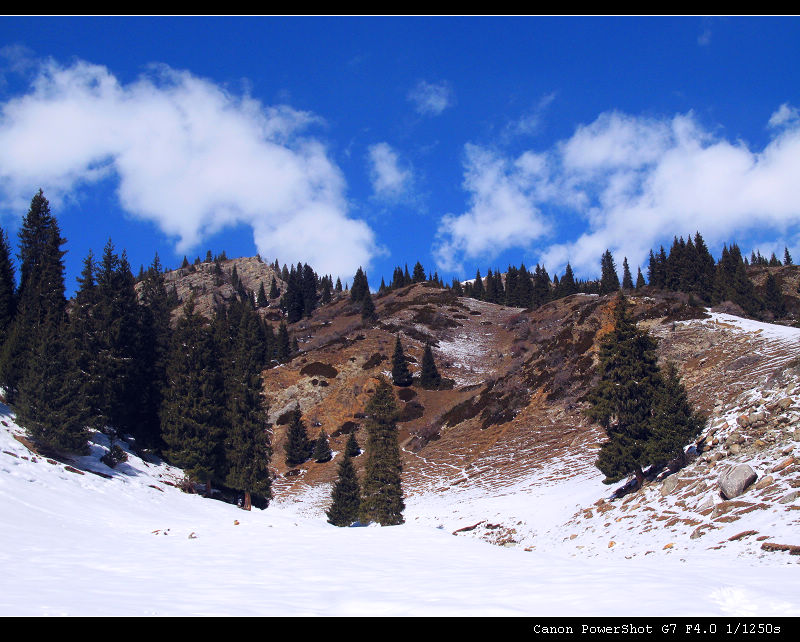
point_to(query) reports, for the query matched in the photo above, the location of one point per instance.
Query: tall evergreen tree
(298, 447)
(368, 313)
(360, 286)
(351, 448)
(773, 297)
(322, 448)
(429, 377)
(40, 298)
(50, 405)
(401, 375)
(248, 448)
(192, 413)
(8, 299)
(346, 496)
(787, 258)
(274, 292)
(382, 493)
(609, 281)
(621, 402)
(418, 275)
(477, 287)
(639, 279)
(674, 422)
(567, 286)
(627, 278)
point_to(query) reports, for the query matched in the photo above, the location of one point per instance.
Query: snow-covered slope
(131, 544)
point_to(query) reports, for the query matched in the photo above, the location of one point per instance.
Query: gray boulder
(735, 481)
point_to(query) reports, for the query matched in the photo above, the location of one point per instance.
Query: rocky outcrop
(736, 480)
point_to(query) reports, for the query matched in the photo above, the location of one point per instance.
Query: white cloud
(431, 99)
(389, 180)
(784, 115)
(501, 213)
(627, 184)
(189, 156)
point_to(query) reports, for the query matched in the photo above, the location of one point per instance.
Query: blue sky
(463, 143)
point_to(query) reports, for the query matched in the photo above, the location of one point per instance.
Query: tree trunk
(247, 502)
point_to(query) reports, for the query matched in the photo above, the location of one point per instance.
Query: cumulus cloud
(631, 183)
(431, 99)
(389, 179)
(188, 156)
(501, 215)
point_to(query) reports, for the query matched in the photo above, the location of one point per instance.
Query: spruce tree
(346, 496)
(674, 422)
(382, 494)
(40, 298)
(477, 287)
(639, 279)
(621, 402)
(274, 292)
(192, 412)
(401, 375)
(7, 287)
(283, 344)
(261, 298)
(368, 313)
(50, 405)
(627, 278)
(418, 275)
(429, 377)
(773, 297)
(351, 448)
(360, 286)
(787, 258)
(248, 449)
(322, 448)
(609, 281)
(298, 447)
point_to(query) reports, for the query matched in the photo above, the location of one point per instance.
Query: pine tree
(298, 448)
(7, 287)
(773, 297)
(360, 286)
(155, 310)
(566, 286)
(382, 494)
(192, 413)
(609, 281)
(50, 405)
(418, 275)
(429, 377)
(401, 375)
(40, 298)
(674, 422)
(346, 496)
(248, 448)
(477, 287)
(621, 402)
(627, 279)
(787, 258)
(351, 448)
(639, 279)
(322, 448)
(274, 292)
(261, 298)
(368, 313)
